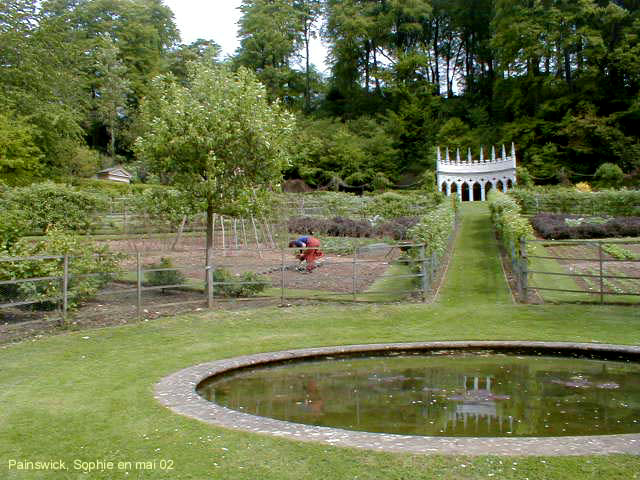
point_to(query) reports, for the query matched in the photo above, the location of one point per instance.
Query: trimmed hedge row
(571, 200)
(562, 226)
(511, 226)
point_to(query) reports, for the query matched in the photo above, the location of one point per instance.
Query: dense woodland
(558, 78)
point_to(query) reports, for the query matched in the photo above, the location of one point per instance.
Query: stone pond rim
(178, 393)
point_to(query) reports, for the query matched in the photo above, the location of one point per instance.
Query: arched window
(500, 186)
(444, 188)
(487, 188)
(509, 184)
(454, 188)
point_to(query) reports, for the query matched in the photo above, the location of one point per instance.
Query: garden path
(475, 274)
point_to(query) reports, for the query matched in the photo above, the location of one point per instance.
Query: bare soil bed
(335, 274)
(584, 260)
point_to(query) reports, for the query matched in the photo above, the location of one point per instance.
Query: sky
(217, 20)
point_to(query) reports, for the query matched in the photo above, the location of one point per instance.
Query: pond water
(442, 393)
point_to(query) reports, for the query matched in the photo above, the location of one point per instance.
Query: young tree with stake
(217, 138)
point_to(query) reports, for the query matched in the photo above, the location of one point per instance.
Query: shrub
(14, 223)
(248, 284)
(163, 274)
(90, 268)
(609, 175)
(583, 187)
(54, 205)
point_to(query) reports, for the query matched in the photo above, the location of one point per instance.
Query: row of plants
(506, 215)
(571, 200)
(620, 253)
(435, 227)
(385, 206)
(347, 227)
(560, 226)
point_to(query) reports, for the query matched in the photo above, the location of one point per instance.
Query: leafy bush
(570, 200)
(583, 187)
(14, 223)
(54, 205)
(609, 175)
(560, 226)
(90, 268)
(248, 284)
(162, 275)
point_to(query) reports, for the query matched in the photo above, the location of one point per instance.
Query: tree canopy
(559, 78)
(218, 137)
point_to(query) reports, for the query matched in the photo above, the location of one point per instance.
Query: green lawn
(88, 395)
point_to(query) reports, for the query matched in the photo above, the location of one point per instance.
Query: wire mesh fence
(148, 283)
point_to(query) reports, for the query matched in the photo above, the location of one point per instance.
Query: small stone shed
(114, 174)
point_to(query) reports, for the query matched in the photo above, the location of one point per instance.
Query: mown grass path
(475, 273)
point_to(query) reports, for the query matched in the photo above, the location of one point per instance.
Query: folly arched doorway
(465, 192)
(477, 192)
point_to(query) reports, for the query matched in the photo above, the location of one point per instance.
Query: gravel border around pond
(178, 393)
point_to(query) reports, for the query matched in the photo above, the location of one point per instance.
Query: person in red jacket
(309, 253)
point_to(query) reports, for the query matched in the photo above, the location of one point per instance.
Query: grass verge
(87, 395)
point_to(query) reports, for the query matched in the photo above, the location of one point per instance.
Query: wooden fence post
(423, 259)
(601, 271)
(138, 286)
(65, 287)
(209, 272)
(524, 270)
(282, 279)
(355, 270)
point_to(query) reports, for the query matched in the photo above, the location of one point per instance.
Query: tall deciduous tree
(111, 89)
(218, 138)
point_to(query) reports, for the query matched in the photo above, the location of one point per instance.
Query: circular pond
(443, 393)
(520, 397)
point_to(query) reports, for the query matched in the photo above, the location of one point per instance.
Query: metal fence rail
(600, 278)
(353, 273)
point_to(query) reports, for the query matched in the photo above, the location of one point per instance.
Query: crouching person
(309, 253)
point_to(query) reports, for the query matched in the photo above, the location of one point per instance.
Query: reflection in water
(470, 394)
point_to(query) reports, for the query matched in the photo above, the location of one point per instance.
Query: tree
(308, 12)
(268, 42)
(111, 89)
(217, 137)
(40, 77)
